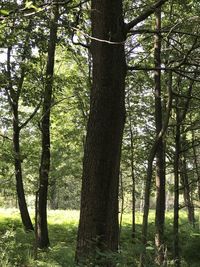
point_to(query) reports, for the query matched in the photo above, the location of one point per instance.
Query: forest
(99, 133)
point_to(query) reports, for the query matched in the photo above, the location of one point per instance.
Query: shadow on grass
(189, 239)
(17, 247)
(63, 242)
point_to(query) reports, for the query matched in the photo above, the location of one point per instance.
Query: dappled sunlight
(16, 246)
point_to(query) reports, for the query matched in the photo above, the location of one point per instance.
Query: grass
(17, 247)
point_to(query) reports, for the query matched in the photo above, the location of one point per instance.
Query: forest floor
(17, 248)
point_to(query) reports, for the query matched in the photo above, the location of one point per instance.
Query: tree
(98, 226)
(42, 228)
(160, 154)
(13, 88)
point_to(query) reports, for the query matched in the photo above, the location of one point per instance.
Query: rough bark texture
(160, 158)
(98, 227)
(42, 228)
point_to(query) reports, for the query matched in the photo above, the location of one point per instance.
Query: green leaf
(149, 248)
(29, 4)
(4, 12)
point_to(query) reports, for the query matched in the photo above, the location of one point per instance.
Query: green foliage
(17, 247)
(69, 114)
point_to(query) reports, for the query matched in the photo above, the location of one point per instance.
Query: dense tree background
(159, 87)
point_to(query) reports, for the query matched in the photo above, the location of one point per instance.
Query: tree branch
(31, 116)
(5, 137)
(174, 69)
(144, 15)
(143, 31)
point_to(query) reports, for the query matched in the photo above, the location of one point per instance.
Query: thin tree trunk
(160, 158)
(132, 167)
(176, 189)
(186, 190)
(13, 98)
(133, 183)
(122, 203)
(196, 165)
(98, 226)
(42, 227)
(180, 117)
(142, 197)
(150, 170)
(26, 220)
(53, 199)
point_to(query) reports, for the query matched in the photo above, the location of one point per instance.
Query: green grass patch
(17, 247)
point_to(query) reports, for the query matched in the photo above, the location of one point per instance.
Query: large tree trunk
(98, 226)
(160, 158)
(42, 228)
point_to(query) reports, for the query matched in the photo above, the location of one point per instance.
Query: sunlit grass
(63, 216)
(17, 248)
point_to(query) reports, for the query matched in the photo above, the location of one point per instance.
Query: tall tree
(98, 226)
(160, 157)
(13, 97)
(181, 113)
(176, 188)
(186, 185)
(42, 228)
(15, 75)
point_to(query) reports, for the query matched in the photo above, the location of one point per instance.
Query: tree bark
(180, 117)
(186, 189)
(26, 220)
(42, 228)
(98, 226)
(13, 98)
(133, 184)
(122, 203)
(176, 189)
(150, 170)
(196, 165)
(132, 167)
(160, 157)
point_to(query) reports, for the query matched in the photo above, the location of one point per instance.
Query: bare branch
(31, 116)
(5, 137)
(97, 39)
(144, 15)
(143, 31)
(174, 69)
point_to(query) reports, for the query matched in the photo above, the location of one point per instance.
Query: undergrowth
(17, 248)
